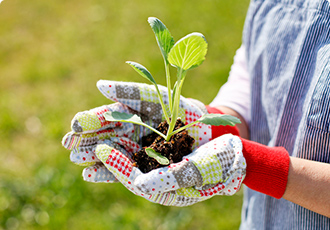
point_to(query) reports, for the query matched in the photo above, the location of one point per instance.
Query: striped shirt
(287, 47)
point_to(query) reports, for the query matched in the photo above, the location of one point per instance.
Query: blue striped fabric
(288, 55)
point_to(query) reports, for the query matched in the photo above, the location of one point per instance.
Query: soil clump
(175, 149)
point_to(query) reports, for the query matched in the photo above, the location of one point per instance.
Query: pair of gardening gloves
(215, 167)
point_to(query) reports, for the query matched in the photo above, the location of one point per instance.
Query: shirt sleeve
(235, 93)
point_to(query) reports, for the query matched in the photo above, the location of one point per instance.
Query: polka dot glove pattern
(89, 127)
(215, 168)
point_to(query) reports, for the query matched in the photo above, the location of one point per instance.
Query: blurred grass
(51, 55)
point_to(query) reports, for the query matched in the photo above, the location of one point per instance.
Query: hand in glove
(90, 127)
(215, 168)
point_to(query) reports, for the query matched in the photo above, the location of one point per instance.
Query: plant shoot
(185, 54)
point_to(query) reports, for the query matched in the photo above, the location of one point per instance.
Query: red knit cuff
(218, 131)
(267, 168)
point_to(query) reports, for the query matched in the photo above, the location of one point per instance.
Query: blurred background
(52, 53)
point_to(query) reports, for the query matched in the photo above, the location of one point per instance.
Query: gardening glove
(215, 168)
(89, 127)
(142, 99)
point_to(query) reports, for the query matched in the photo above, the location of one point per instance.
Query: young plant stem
(168, 79)
(162, 104)
(147, 126)
(184, 127)
(175, 111)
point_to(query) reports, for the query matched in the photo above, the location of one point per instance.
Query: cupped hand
(88, 128)
(215, 168)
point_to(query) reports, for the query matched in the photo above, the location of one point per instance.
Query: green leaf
(142, 71)
(122, 117)
(164, 38)
(157, 156)
(147, 75)
(188, 52)
(219, 119)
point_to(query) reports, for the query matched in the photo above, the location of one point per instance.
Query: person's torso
(288, 55)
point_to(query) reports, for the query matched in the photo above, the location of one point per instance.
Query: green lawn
(51, 55)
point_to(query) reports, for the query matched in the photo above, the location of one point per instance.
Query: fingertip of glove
(83, 158)
(64, 140)
(101, 83)
(86, 121)
(107, 88)
(88, 175)
(75, 126)
(69, 141)
(102, 151)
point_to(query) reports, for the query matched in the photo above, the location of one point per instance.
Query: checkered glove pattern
(143, 99)
(90, 128)
(215, 168)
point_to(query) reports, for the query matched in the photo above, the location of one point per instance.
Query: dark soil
(179, 145)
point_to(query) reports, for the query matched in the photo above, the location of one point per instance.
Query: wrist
(267, 168)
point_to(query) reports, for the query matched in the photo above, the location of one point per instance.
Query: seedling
(186, 54)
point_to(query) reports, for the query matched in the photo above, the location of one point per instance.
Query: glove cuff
(267, 168)
(218, 131)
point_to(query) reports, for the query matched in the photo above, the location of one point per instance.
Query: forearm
(308, 181)
(309, 185)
